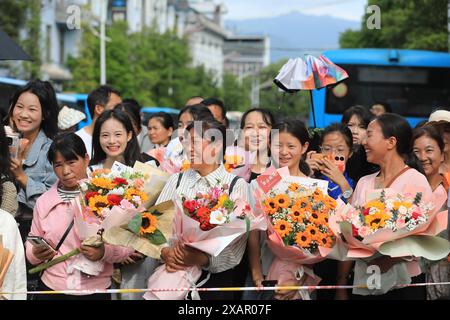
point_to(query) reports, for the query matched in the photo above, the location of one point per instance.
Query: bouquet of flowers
(208, 222)
(146, 232)
(108, 198)
(399, 225)
(298, 234)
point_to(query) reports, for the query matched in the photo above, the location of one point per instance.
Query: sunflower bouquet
(298, 234)
(394, 224)
(208, 222)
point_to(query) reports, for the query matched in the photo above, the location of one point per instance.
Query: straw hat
(69, 117)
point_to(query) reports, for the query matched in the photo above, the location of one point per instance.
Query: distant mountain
(295, 30)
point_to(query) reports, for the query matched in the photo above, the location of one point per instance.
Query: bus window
(411, 92)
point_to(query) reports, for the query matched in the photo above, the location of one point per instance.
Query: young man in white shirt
(101, 99)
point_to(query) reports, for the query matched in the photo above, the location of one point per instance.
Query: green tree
(235, 95)
(151, 67)
(12, 17)
(31, 44)
(405, 24)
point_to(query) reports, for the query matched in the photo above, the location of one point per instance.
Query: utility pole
(103, 9)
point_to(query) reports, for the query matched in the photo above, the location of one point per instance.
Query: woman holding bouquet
(388, 145)
(53, 221)
(429, 149)
(205, 153)
(114, 139)
(336, 142)
(289, 144)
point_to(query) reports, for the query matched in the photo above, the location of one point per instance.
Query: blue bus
(413, 82)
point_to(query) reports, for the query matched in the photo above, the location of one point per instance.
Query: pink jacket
(51, 217)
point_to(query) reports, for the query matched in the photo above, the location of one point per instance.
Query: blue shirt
(334, 190)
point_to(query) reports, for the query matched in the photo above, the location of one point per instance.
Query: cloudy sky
(246, 9)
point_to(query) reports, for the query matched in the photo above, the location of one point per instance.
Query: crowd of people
(377, 148)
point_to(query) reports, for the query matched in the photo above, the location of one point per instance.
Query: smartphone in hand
(39, 242)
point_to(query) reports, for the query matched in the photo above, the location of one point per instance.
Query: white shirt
(87, 139)
(191, 183)
(16, 276)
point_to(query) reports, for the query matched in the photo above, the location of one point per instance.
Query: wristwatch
(347, 194)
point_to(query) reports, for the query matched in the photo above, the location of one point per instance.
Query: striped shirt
(68, 195)
(191, 183)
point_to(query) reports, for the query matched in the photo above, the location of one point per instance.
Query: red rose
(114, 199)
(90, 194)
(354, 231)
(120, 181)
(366, 211)
(190, 205)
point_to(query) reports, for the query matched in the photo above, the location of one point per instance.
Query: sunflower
(270, 206)
(294, 186)
(103, 183)
(283, 228)
(377, 220)
(312, 231)
(149, 223)
(302, 202)
(98, 203)
(283, 201)
(297, 214)
(322, 219)
(303, 240)
(375, 204)
(130, 193)
(398, 204)
(325, 240)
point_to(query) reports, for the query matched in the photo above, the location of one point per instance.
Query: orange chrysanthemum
(149, 223)
(283, 201)
(283, 228)
(270, 206)
(303, 240)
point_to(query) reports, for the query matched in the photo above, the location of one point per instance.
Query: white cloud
(247, 9)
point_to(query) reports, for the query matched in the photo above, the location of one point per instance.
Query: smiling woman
(33, 113)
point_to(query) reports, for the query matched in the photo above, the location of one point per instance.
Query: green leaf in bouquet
(135, 224)
(157, 237)
(228, 204)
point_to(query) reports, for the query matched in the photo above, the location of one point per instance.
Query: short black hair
(266, 114)
(70, 145)
(198, 111)
(100, 96)
(364, 115)
(132, 108)
(49, 105)
(164, 118)
(214, 101)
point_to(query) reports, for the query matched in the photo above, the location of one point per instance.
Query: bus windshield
(411, 91)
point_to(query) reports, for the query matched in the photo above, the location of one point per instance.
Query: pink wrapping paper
(212, 242)
(366, 248)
